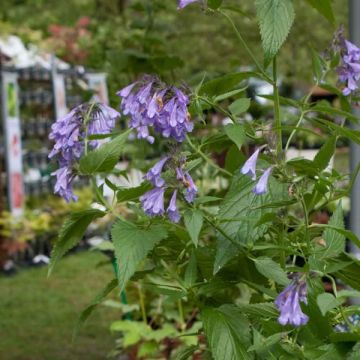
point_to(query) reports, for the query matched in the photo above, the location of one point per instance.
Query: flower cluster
(151, 104)
(69, 133)
(153, 201)
(288, 303)
(349, 71)
(249, 168)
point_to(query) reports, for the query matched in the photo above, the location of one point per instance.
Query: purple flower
(153, 175)
(191, 189)
(179, 174)
(152, 104)
(63, 185)
(288, 303)
(172, 210)
(262, 185)
(69, 132)
(249, 168)
(153, 202)
(184, 3)
(349, 71)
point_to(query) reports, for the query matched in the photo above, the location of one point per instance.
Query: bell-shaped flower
(172, 210)
(288, 303)
(249, 168)
(154, 174)
(153, 202)
(262, 185)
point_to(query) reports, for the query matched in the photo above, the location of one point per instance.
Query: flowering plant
(237, 242)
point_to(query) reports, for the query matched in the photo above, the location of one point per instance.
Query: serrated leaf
(326, 152)
(236, 133)
(94, 303)
(324, 8)
(105, 157)
(267, 342)
(271, 270)
(186, 352)
(239, 106)
(132, 244)
(130, 194)
(335, 241)
(191, 271)
(275, 19)
(327, 302)
(242, 204)
(227, 332)
(193, 220)
(71, 233)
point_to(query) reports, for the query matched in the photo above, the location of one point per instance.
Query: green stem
(245, 46)
(301, 118)
(277, 118)
(181, 314)
(306, 217)
(86, 120)
(207, 159)
(142, 303)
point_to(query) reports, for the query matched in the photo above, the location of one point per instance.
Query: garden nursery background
(188, 167)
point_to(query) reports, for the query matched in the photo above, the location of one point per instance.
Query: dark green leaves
(227, 332)
(72, 232)
(133, 193)
(275, 18)
(193, 221)
(324, 8)
(104, 158)
(236, 133)
(214, 4)
(132, 244)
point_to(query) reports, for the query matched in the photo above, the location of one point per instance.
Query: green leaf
(260, 310)
(229, 94)
(335, 241)
(225, 83)
(275, 19)
(130, 194)
(105, 157)
(191, 271)
(186, 353)
(325, 153)
(266, 343)
(227, 332)
(271, 270)
(327, 302)
(132, 244)
(193, 222)
(239, 106)
(71, 233)
(94, 303)
(324, 8)
(245, 209)
(214, 4)
(236, 133)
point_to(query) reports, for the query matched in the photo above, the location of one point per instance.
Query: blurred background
(55, 55)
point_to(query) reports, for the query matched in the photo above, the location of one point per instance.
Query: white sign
(13, 149)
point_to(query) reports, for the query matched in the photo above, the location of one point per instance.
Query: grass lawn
(37, 315)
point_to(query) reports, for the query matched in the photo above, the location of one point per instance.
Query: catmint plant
(232, 243)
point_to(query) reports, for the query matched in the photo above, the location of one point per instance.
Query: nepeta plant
(236, 245)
